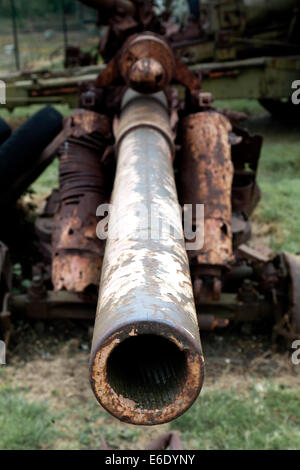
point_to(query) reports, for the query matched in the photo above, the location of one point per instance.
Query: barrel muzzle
(147, 373)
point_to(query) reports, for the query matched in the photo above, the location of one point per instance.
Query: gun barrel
(146, 361)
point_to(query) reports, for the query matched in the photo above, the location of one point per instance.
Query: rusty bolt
(148, 75)
(205, 99)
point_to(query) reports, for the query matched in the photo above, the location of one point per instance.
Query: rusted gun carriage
(133, 142)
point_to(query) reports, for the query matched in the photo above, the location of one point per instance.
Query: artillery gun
(134, 143)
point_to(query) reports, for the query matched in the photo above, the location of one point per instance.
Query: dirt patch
(50, 363)
(263, 233)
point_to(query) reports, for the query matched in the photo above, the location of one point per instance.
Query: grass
(24, 112)
(24, 425)
(90, 423)
(278, 177)
(89, 430)
(280, 207)
(278, 174)
(266, 417)
(250, 107)
(48, 179)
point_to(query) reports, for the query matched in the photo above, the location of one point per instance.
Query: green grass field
(267, 416)
(279, 179)
(24, 425)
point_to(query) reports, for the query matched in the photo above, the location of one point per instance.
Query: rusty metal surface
(234, 309)
(185, 76)
(245, 158)
(77, 252)
(44, 229)
(146, 361)
(206, 178)
(44, 226)
(245, 192)
(53, 305)
(259, 254)
(147, 63)
(122, 26)
(143, 115)
(211, 322)
(75, 57)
